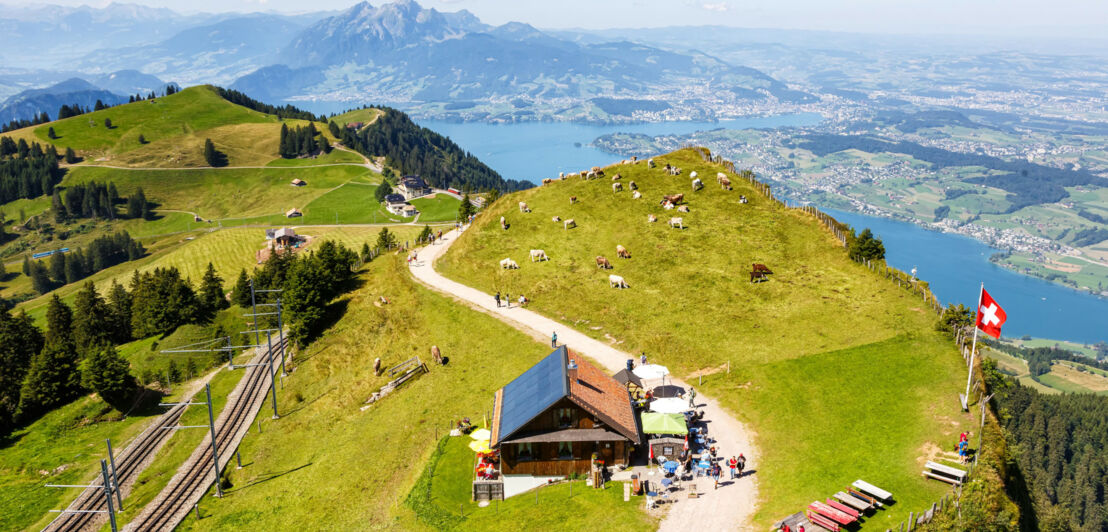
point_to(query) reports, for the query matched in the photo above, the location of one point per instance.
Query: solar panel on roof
(536, 390)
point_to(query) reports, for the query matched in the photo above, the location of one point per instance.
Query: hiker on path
(497, 297)
(642, 358)
(554, 339)
(508, 299)
(522, 300)
(716, 472)
(742, 464)
(692, 398)
(733, 464)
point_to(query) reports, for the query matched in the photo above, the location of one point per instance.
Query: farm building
(298, 183)
(552, 419)
(293, 213)
(285, 236)
(412, 186)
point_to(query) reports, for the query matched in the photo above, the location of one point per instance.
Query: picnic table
(859, 504)
(872, 490)
(950, 475)
(833, 514)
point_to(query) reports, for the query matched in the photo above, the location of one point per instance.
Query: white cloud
(719, 7)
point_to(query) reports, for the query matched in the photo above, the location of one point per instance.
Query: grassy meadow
(838, 372)
(329, 465)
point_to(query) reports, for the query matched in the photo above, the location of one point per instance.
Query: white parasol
(650, 371)
(669, 405)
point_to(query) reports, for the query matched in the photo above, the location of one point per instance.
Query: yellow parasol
(481, 434)
(479, 446)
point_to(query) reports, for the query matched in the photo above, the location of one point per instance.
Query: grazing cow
(622, 252)
(569, 224)
(546, 181)
(758, 276)
(590, 175)
(572, 200)
(436, 355)
(597, 171)
(616, 187)
(509, 264)
(583, 174)
(697, 184)
(615, 281)
(651, 218)
(602, 263)
(636, 195)
(377, 366)
(692, 174)
(503, 224)
(561, 175)
(623, 161)
(617, 177)
(720, 176)
(742, 199)
(523, 207)
(557, 219)
(667, 205)
(538, 254)
(683, 208)
(677, 222)
(758, 267)
(633, 185)
(725, 183)
(650, 163)
(673, 170)
(634, 159)
(673, 198)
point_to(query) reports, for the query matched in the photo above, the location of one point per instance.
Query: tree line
(1059, 444)
(27, 171)
(41, 371)
(301, 142)
(286, 111)
(1040, 359)
(417, 150)
(21, 123)
(64, 268)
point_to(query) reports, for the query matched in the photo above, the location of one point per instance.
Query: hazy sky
(1088, 18)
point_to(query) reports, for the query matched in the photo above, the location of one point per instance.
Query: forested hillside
(418, 150)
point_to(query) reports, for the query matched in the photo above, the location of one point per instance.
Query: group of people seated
(464, 426)
(486, 466)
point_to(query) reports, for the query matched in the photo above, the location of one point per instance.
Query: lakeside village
(637, 431)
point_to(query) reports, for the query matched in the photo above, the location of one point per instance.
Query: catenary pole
(272, 373)
(215, 448)
(108, 493)
(115, 478)
(973, 350)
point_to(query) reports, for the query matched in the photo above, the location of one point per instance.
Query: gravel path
(730, 507)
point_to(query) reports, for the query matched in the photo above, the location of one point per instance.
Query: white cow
(667, 205)
(569, 223)
(651, 219)
(557, 218)
(692, 174)
(509, 264)
(523, 207)
(538, 254)
(616, 281)
(676, 222)
(636, 195)
(650, 163)
(697, 184)
(616, 187)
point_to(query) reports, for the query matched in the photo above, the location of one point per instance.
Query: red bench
(835, 515)
(822, 521)
(843, 508)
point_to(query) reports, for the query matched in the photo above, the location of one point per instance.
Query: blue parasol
(670, 466)
(703, 464)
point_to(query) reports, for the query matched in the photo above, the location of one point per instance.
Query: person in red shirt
(733, 463)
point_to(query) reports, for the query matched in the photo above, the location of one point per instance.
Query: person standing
(733, 464)
(522, 300)
(692, 397)
(508, 299)
(716, 472)
(642, 358)
(741, 464)
(497, 297)
(554, 339)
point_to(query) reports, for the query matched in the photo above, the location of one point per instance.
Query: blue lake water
(953, 264)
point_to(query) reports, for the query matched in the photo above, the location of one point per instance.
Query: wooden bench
(822, 521)
(872, 490)
(950, 475)
(857, 494)
(837, 516)
(844, 508)
(858, 504)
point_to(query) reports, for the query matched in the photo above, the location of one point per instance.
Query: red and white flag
(990, 316)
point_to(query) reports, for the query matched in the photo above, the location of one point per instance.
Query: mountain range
(397, 53)
(110, 89)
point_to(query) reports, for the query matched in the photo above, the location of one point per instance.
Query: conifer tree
(91, 325)
(465, 210)
(20, 341)
(40, 278)
(211, 292)
(241, 293)
(57, 267)
(211, 156)
(54, 377)
(70, 156)
(109, 375)
(119, 313)
(50, 133)
(141, 139)
(27, 265)
(107, 123)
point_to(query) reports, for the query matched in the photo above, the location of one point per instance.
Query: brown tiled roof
(603, 397)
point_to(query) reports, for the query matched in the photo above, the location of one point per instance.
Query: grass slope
(868, 386)
(327, 465)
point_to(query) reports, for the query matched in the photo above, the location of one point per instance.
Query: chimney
(572, 370)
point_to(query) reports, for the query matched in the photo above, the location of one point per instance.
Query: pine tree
(108, 123)
(382, 190)
(465, 210)
(211, 292)
(27, 265)
(109, 375)
(385, 240)
(70, 156)
(241, 293)
(57, 267)
(141, 139)
(136, 204)
(365, 252)
(867, 247)
(20, 341)
(40, 278)
(54, 377)
(211, 156)
(424, 234)
(119, 313)
(91, 323)
(50, 133)
(99, 106)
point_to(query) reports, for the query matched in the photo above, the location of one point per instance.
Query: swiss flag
(990, 316)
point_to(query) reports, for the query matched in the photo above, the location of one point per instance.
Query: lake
(954, 265)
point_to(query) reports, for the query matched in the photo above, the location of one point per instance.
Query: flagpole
(973, 350)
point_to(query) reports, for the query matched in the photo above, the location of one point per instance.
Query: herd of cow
(759, 272)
